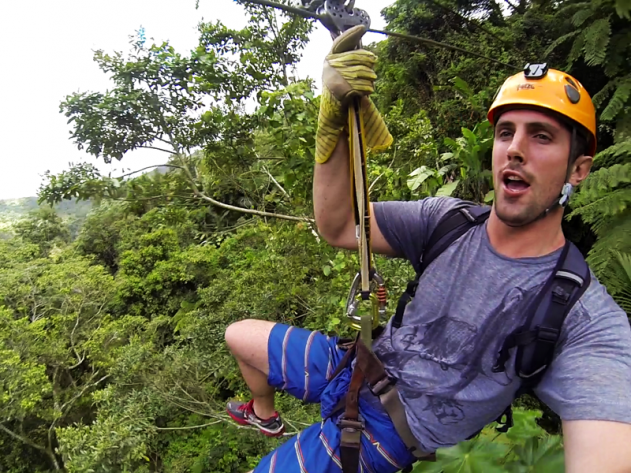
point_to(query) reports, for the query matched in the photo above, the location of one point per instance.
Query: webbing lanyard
(367, 278)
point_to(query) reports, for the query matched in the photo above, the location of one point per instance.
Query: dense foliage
(111, 337)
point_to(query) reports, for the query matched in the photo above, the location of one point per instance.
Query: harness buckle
(382, 386)
(351, 432)
(560, 295)
(547, 334)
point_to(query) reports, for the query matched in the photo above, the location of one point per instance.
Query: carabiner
(377, 296)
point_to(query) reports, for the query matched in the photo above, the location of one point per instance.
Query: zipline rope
(313, 15)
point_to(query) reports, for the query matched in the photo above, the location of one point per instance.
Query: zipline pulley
(337, 15)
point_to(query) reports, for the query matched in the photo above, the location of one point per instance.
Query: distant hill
(12, 210)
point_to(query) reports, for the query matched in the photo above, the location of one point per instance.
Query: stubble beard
(515, 214)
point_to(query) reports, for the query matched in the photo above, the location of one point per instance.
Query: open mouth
(514, 184)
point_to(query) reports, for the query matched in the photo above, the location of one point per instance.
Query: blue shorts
(301, 363)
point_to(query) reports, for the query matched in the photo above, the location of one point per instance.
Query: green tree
(178, 104)
(44, 228)
(600, 34)
(56, 347)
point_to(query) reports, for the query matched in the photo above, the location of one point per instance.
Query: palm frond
(623, 130)
(569, 9)
(597, 37)
(613, 237)
(560, 40)
(600, 96)
(620, 153)
(620, 282)
(577, 49)
(602, 193)
(618, 52)
(581, 16)
(623, 9)
(618, 100)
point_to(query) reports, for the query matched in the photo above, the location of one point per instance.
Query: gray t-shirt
(466, 304)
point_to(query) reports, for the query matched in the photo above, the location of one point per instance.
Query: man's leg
(248, 340)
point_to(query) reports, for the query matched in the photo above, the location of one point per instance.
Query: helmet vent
(569, 79)
(572, 94)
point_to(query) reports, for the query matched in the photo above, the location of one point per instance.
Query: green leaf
(326, 269)
(618, 101)
(462, 86)
(623, 9)
(581, 16)
(597, 37)
(419, 176)
(447, 189)
(540, 454)
(525, 426)
(473, 456)
(490, 196)
(560, 41)
(469, 135)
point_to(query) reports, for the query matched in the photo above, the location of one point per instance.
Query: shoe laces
(248, 407)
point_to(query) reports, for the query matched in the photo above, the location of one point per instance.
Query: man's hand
(348, 72)
(594, 446)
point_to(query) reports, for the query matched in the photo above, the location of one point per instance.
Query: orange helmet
(551, 89)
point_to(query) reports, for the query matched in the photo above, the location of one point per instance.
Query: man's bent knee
(247, 340)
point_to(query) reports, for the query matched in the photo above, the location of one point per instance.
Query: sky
(47, 54)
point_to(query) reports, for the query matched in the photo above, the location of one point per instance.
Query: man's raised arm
(348, 72)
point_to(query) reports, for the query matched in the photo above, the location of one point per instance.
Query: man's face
(530, 156)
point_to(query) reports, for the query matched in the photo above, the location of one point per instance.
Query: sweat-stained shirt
(467, 302)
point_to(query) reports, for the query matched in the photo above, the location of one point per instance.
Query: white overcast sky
(47, 49)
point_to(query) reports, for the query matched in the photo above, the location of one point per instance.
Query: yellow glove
(348, 72)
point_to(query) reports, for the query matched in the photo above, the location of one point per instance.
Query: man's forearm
(332, 195)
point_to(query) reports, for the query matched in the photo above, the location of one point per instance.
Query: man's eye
(504, 133)
(541, 136)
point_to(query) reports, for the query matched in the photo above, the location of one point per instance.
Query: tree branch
(275, 182)
(21, 438)
(64, 409)
(158, 149)
(148, 167)
(511, 5)
(203, 196)
(80, 359)
(191, 427)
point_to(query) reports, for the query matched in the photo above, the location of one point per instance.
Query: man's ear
(580, 169)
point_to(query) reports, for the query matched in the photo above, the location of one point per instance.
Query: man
(469, 300)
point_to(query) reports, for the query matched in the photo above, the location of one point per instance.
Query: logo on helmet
(525, 86)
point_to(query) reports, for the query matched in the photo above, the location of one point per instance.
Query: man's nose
(517, 148)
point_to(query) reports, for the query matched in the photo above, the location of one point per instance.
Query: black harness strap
(537, 338)
(452, 226)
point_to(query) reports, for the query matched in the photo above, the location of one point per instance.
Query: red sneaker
(243, 413)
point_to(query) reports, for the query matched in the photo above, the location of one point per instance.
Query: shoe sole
(266, 432)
